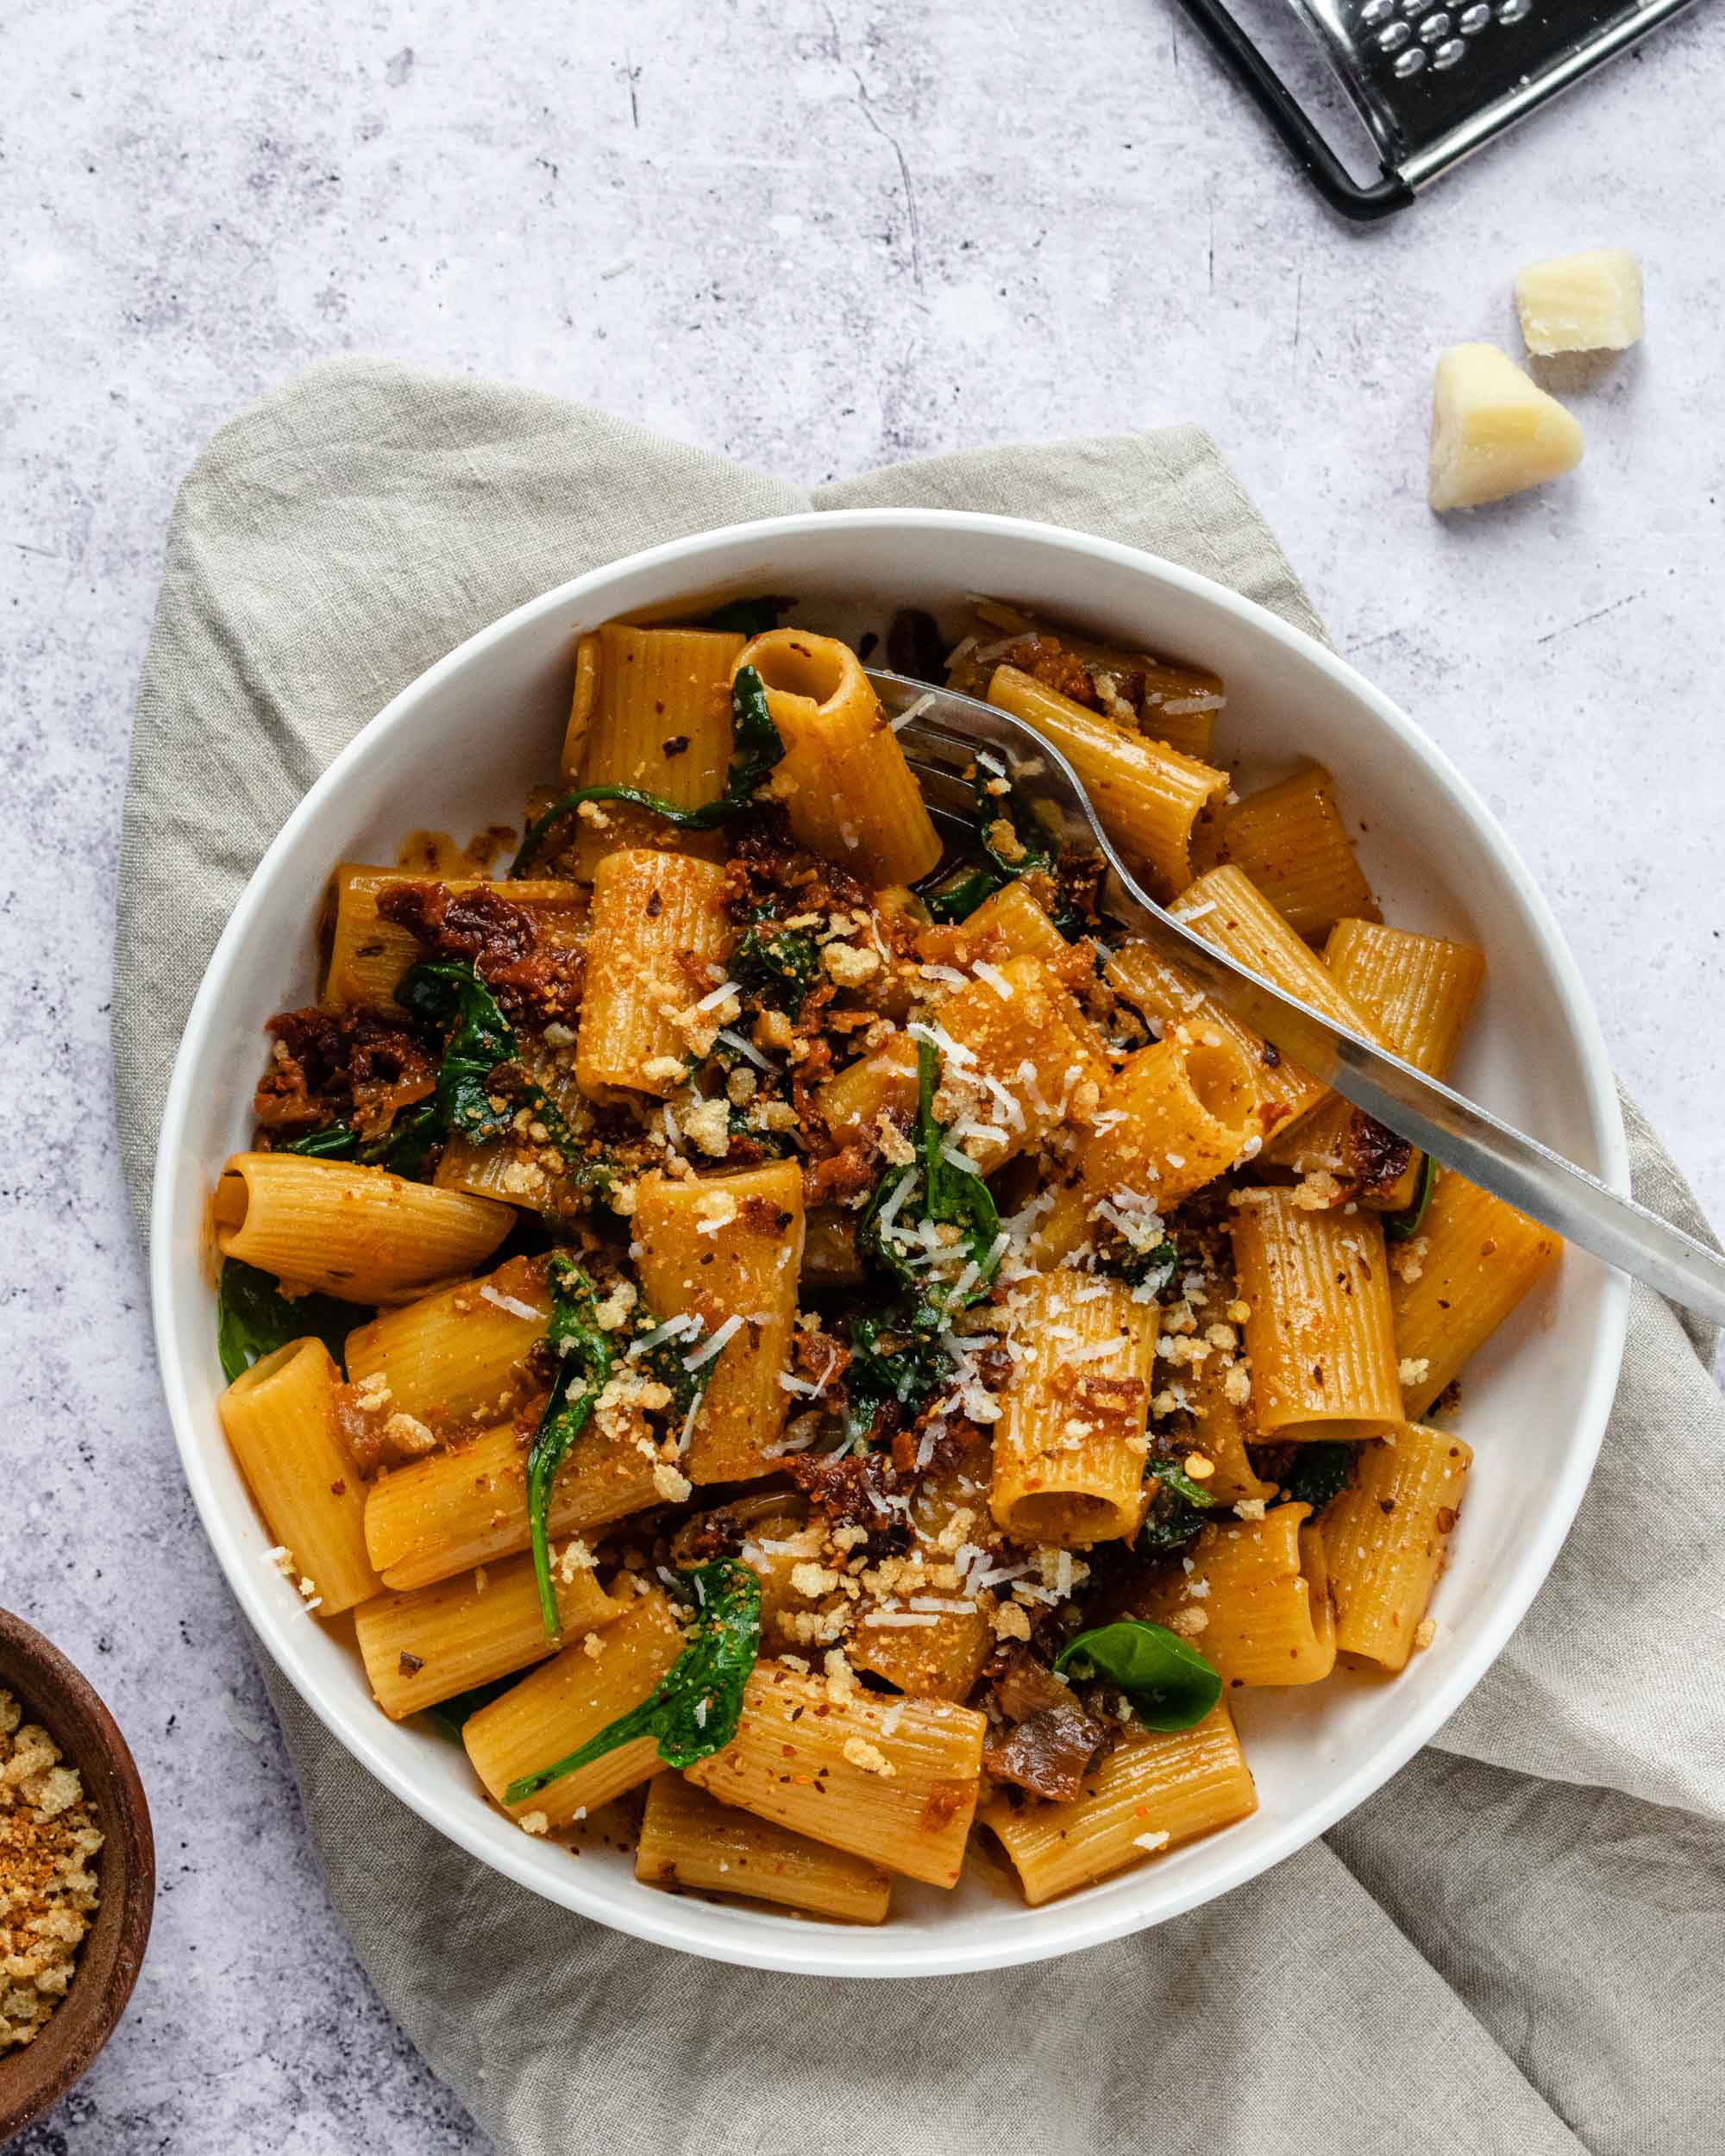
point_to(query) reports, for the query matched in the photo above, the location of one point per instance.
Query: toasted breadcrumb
(47, 1888)
(870, 1757)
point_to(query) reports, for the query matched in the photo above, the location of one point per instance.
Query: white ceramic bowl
(459, 749)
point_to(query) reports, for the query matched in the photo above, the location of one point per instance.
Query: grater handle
(1291, 122)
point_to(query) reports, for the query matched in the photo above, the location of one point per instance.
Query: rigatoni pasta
(827, 1324)
(689, 1839)
(467, 1506)
(657, 936)
(1320, 1331)
(1289, 839)
(728, 1250)
(458, 1354)
(1153, 1792)
(1167, 998)
(1175, 1116)
(1419, 989)
(570, 1698)
(651, 711)
(1069, 1446)
(1265, 1620)
(280, 1419)
(1473, 1261)
(1386, 1537)
(1149, 796)
(848, 792)
(894, 1783)
(432, 1642)
(360, 1233)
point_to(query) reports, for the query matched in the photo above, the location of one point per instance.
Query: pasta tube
(1218, 1390)
(1155, 1790)
(1265, 1619)
(1386, 1537)
(1419, 989)
(846, 786)
(1150, 797)
(458, 1353)
(1168, 998)
(432, 1642)
(1320, 1335)
(1290, 840)
(1175, 1116)
(894, 1781)
(1474, 1261)
(652, 710)
(564, 1702)
(659, 929)
(358, 1233)
(280, 1420)
(729, 1250)
(690, 1840)
(467, 1506)
(1069, 1447)
(1010, 923)
(1019, 1058)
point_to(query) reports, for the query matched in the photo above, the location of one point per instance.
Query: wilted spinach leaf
(254, 1319)
(694, 1710)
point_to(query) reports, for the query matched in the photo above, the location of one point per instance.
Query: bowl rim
(52, 1690)
(1062, 1928)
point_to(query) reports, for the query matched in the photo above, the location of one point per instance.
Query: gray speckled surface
(821, 238)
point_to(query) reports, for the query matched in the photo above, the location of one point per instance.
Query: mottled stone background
(819, 237)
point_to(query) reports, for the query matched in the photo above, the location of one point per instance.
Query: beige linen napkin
(1519, 1945)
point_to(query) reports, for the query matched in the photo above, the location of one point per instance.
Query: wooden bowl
(52, 1692)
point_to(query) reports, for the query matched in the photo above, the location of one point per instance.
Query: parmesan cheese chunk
(1494, 432)
(1581, 303)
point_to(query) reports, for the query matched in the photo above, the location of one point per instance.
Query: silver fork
(941, 741)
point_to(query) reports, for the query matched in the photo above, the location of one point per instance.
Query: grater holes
(1514, 10)
(1434, 28)
(1474, 19)
(1393, 37)
(1410, 62)
(1375, 12)
(1449, 53)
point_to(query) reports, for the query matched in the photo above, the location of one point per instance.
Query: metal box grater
(1433, 79)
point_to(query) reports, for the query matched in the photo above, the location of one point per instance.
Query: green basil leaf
(695, 1710)
(450, 996)
(1169, 1683)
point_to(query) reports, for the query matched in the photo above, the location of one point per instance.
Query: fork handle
(1456, 1132)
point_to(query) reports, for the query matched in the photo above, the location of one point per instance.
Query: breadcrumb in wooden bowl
(67, 1776)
